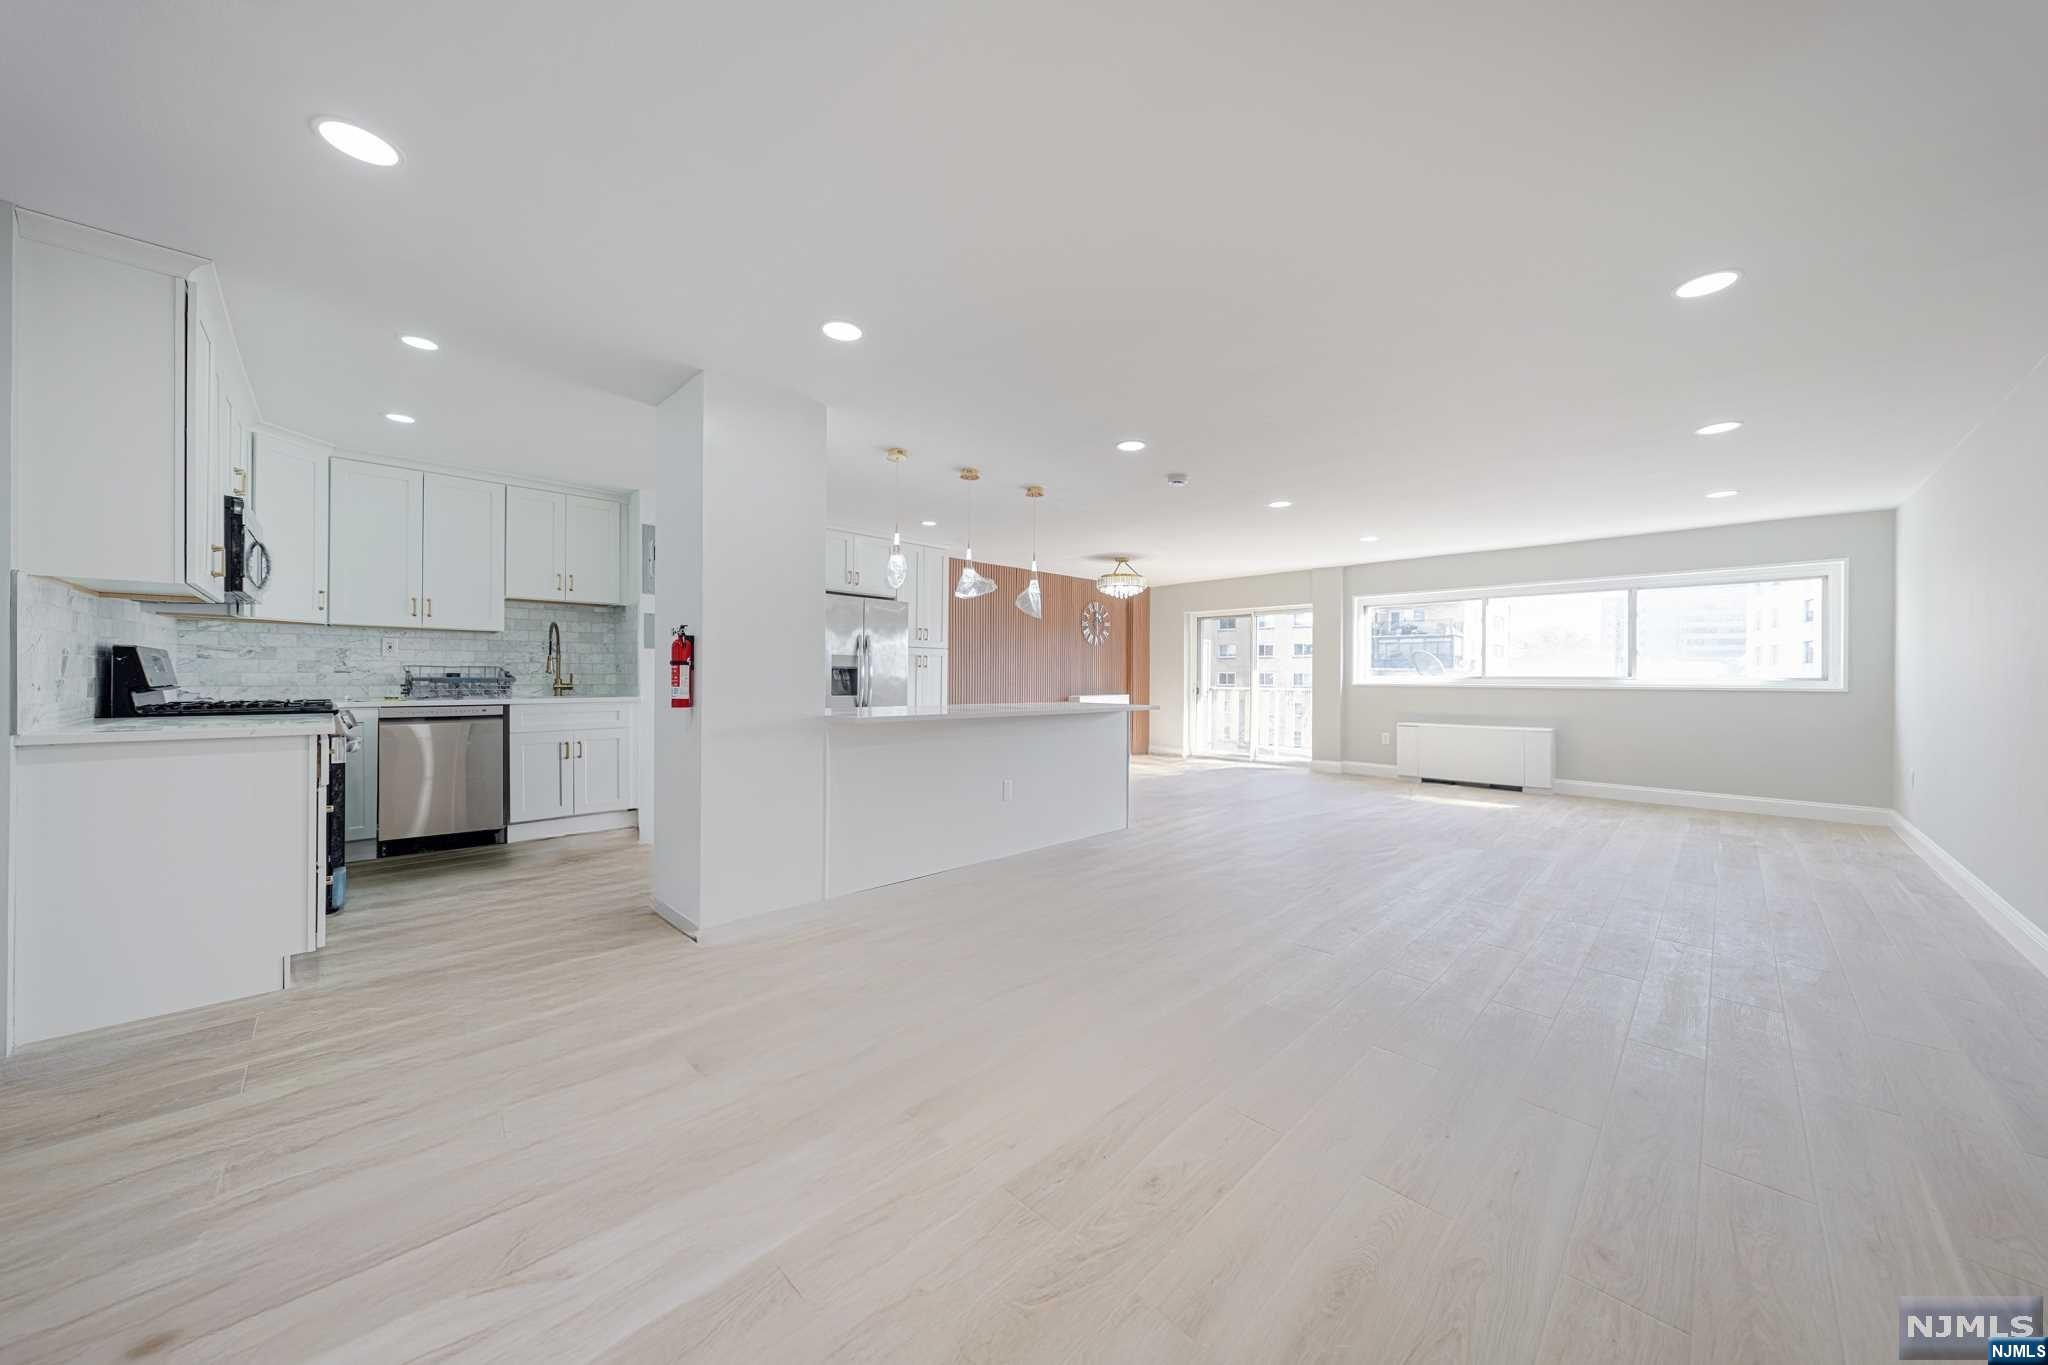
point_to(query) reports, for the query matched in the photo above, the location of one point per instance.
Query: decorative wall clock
(1094, 623)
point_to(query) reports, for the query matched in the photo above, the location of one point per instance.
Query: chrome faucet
(553, 666)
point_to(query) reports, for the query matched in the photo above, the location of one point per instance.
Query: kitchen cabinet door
(935, 596)
(927, 677)
(540, 775)
(101, 331)
(377, 519)
(838, 562)
(871, 567)
(289, 486)
(359, 815)
(462, 583)
(205, 556)
(596, 526)
(536, 544)
(603, 765)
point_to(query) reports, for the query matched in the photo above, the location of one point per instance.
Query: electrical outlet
(1386, 738)
(1009, 788)
(392, 644)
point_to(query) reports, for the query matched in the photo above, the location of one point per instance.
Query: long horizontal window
(1779, 626)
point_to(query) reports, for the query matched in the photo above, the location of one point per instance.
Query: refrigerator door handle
(860, 661)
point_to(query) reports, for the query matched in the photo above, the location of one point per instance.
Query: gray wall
(1810, 746)
(1973, 671)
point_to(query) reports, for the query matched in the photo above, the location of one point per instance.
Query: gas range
(140, 682)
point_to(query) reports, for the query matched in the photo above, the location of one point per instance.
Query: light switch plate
(647, 637)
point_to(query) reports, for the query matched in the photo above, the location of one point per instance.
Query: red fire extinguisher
(682, 667)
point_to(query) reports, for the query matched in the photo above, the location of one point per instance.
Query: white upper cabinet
(377, 520)
(288, 488)
(462, 584)
(857, 564)
(536, 544)
(933, 597)
(564, 547)
(101, 404)
(596, 531)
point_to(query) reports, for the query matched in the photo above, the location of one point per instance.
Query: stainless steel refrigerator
(867, 652)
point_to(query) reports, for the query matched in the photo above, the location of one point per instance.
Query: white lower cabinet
(927, 677)
(571, 758)
(359, 815)
(542, 782)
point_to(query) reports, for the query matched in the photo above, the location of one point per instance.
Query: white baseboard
(1325, 765)
(677, 920)
(1352, 769)
(1837, 812)
(571, 824)
(1165, 751)
(2001, 914)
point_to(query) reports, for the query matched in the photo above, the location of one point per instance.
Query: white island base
(910, 792)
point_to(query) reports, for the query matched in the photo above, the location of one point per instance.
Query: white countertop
(151, 728)
(1005, 710)
(375, 703)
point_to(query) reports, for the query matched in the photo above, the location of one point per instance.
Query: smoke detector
(1176, 481)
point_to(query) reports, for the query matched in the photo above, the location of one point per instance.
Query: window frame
(1833, 606)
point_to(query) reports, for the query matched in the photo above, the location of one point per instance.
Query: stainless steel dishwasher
(440, 771)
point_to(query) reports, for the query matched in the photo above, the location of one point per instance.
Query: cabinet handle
(579, 748)
(322, 596)
(565, 751)
(413, 607)
(220, 552)
(241, 483)
(572, 582)
(430, 607)
(558, 582)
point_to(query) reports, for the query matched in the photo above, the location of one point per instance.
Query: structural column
(740, 776)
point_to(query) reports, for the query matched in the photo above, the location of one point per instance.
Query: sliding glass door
(1253, 686)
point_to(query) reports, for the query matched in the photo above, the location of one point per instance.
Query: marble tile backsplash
(63, 634)
(281, 659)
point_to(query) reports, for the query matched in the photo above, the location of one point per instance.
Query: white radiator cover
(1494, 755)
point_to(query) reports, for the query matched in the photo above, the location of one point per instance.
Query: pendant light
(1030, 601)
(973, 583)
(1121, 581)
(898, 568)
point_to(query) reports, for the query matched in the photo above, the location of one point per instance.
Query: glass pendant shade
(1121, 581)
(1031, 601)
(973, 583)
(897, 572)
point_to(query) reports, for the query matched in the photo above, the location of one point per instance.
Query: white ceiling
(1407, 265)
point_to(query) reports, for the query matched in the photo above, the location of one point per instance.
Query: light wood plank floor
(1301, 1068)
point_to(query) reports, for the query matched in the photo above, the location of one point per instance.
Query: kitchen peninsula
(915, 790)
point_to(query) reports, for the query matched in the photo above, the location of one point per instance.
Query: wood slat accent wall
(997, 653)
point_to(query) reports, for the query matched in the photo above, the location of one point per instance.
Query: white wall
(7, 624)
(1973, 668)
(741, 782)
(1812, 746)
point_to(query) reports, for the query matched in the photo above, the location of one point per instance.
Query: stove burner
(215, 706)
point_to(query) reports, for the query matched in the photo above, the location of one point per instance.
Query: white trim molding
(1839, 813)
(2001, 914)
(1325, 765)
(1352, 769)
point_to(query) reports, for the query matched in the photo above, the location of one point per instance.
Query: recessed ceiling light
(1368, 540)
(928, 523)
(1713, 282)
(840, 330)
(1722, 493)
(1717, 428)
(1279, 503)
(421, 343)
(360, 143)
(1130, 447)
(399, 418)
